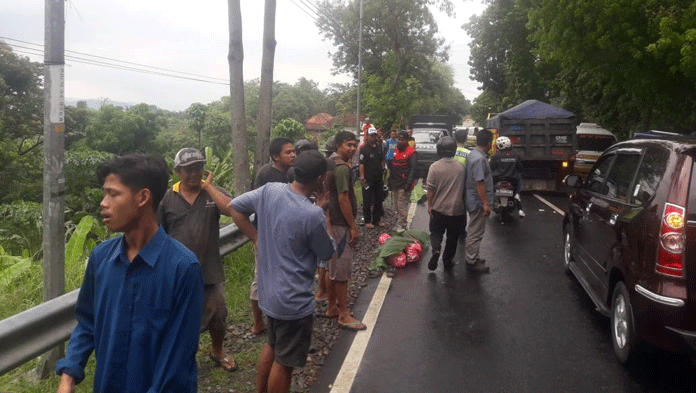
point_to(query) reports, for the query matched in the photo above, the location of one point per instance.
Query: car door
(584, 225)
(607, 207)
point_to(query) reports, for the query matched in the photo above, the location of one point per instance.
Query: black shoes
(432, 264)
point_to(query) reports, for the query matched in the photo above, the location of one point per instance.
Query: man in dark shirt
(371, 170)
(140, 303)
(190, 213)
(282, 152)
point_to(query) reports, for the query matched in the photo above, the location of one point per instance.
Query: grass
(26, 292)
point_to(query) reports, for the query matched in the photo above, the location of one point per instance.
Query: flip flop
(354, 326)
(221, 361)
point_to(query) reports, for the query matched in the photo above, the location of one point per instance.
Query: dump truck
(544, 138)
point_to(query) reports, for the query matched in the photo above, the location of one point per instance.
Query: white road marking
(346, 375)
(549, 204)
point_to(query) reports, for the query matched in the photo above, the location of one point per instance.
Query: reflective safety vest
(461, 153)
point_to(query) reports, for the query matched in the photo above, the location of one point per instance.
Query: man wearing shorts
(291, 235)
(190, 213)
(342, 210)
(282, 153)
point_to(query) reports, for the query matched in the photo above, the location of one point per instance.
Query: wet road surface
(525, 327)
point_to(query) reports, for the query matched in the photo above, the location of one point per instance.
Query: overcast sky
(192, 37)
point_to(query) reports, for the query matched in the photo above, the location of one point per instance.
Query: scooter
(504, 199)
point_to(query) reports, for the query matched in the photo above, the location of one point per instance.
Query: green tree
(627, 64)
(289, 128)
(21, 127)
(196, 114)
(117, 131)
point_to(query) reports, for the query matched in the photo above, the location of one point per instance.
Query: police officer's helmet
(446, 146)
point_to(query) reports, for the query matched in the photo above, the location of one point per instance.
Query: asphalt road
(526, 326)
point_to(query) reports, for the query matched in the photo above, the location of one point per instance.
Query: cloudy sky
(191, 38)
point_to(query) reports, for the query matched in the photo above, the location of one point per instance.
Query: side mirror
(573, 181)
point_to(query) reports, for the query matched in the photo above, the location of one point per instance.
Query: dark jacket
(505, 164)
(403, 169)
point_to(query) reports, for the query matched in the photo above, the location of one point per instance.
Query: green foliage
(118, 131)
(289, 128)
(404, 71)
(83, 193)
(11, 267)
(629, 65)
(21, 228)
(21, 127)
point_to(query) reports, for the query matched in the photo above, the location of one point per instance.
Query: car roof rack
(655, 134)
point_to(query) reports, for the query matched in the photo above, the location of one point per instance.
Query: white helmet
(503, 143)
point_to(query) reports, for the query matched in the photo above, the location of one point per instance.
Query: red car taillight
(669, 258)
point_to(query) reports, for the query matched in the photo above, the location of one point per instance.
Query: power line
(197, 76)
(314, 17)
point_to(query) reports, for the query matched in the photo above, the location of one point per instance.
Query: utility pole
(54, 160)
(359, 65)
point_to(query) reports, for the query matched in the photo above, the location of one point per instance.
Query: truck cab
(593, 140)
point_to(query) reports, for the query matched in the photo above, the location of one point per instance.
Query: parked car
(630, 239)
(592, 141)
(426, 140)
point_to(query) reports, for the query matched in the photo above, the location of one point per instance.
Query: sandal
(222, 361)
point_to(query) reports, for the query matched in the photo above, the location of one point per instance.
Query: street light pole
(359, 66)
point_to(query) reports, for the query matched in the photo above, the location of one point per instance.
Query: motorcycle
(504, 199)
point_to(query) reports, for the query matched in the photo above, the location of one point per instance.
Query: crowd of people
(148, 294)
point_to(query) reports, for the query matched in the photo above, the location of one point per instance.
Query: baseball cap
(309, 165)
(372, 131)
(188, 156)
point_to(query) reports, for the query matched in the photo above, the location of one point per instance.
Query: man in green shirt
(343, 228)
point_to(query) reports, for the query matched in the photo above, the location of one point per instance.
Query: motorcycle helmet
(503, 143)
(304, 145)
(446, 147)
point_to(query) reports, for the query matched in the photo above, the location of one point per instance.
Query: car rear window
(651, 171)
(595, 142)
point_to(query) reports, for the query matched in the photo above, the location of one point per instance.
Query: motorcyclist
(506, 165)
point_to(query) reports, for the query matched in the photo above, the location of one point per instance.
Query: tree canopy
(628, 65)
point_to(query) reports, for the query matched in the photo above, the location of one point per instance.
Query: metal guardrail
(33, 332)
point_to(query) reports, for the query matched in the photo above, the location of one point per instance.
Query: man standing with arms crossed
(190, 213)
(139, 306)
(479, 199)
(342, 210)
(291, 236)
(371, 171)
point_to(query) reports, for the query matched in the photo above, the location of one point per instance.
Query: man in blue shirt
(140, 303)
(479, 199)
(292, 234)
(390, 146)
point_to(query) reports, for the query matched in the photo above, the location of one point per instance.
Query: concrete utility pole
(359, 65)
(54, 160)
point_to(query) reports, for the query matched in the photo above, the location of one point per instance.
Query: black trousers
(373, 209)
(454, 226)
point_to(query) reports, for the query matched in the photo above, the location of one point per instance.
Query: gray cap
(188, 156)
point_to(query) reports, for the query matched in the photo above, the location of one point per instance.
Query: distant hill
(97, 103)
